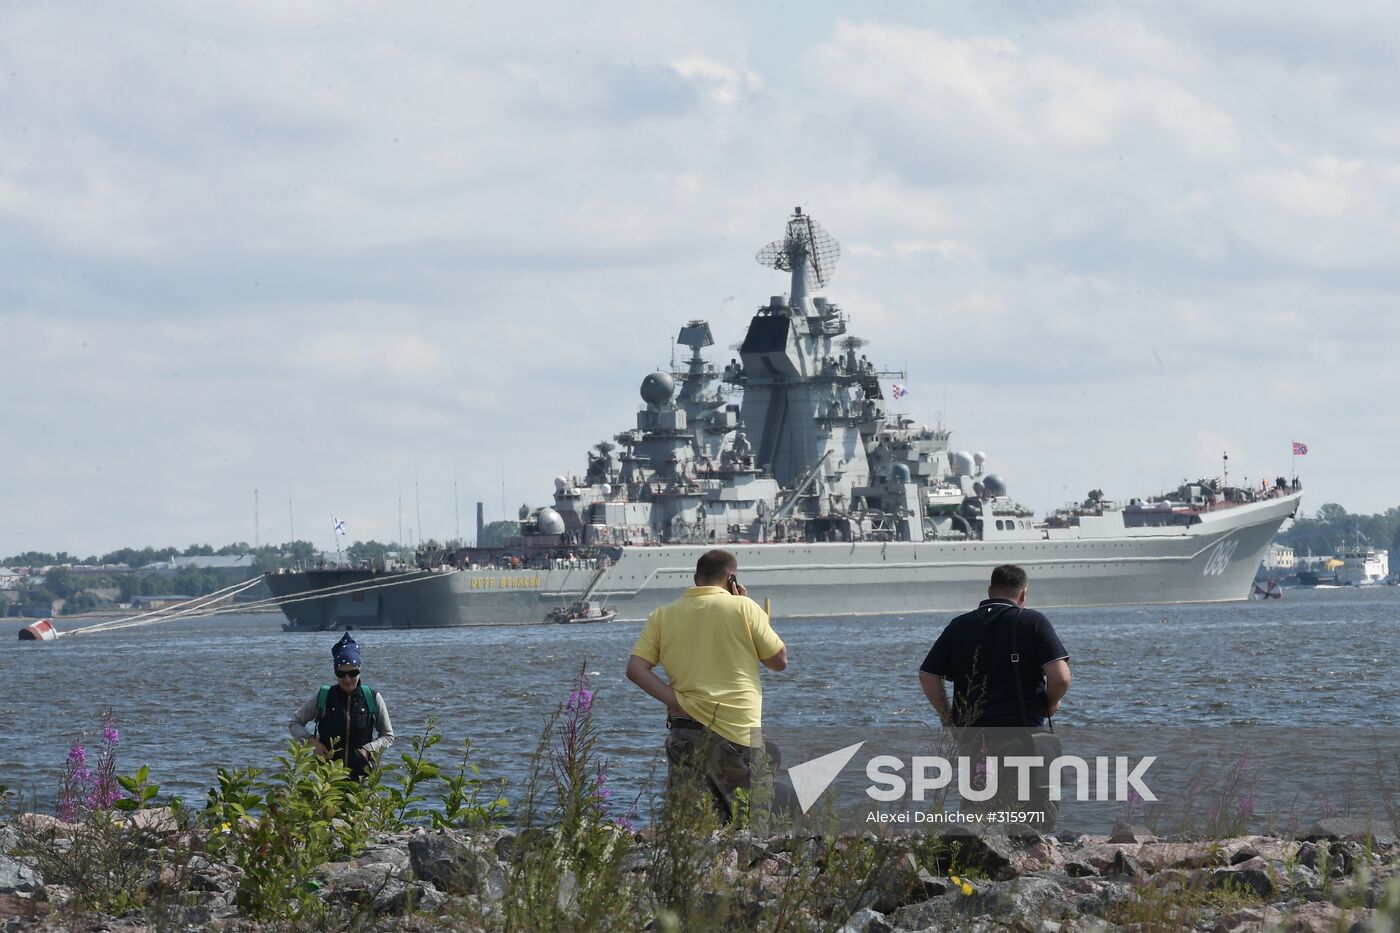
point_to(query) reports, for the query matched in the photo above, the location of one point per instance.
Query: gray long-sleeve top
(308, 713)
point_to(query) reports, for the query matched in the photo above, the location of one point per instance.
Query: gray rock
(993, 853)
(448, 861)
(505, 844)
(1249, 918)
(749, 851)
(1380, 833)
(382, 854)
(493, 886)
(1078, 869)
(903, 881)
(866, 920)
(425, 897)
(1086, 925)
(1301, 881)
(1243, 854)
(1124, 866)
(17, 877)
(1345, 856)
(1126, 832)
(1094, 896)
(1250, 876)
(377, 886)
(1023, 902)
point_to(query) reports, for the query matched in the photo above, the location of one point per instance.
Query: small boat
(579, 614)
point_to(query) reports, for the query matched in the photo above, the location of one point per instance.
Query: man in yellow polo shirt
(711, 642)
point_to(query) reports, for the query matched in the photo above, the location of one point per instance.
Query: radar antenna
(805, 250)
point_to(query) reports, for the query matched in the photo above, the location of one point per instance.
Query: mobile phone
(732, 582)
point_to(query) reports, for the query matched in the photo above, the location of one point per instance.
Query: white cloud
(331, 249)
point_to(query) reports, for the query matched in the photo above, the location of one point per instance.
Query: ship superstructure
(790, 457)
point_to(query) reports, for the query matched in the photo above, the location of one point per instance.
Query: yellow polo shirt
(710, 642)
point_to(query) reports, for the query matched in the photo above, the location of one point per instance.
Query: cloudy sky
(338, 252)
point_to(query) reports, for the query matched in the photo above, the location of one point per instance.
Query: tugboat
(580, 612)
(792, 456)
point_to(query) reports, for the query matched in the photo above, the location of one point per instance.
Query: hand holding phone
(734, 586)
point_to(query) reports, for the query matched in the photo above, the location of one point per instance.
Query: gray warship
(790, 456)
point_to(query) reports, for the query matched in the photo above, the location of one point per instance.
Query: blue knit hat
(346, 652)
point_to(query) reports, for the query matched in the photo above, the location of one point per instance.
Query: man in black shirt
(984, 652)
(975, 652)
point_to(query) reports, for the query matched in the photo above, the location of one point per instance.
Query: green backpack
(369, 701)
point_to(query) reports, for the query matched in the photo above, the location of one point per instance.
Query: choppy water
(193, 695)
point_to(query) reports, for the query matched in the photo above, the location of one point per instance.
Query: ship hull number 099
(1220, 558)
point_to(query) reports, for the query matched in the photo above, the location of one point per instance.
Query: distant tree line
(1332, 528)
(68, 577)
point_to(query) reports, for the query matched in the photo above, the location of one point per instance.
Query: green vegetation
(496, 534)
(1332, 528)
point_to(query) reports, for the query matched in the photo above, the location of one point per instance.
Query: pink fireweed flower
(581, 700)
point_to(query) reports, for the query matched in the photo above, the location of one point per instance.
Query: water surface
(193, 695)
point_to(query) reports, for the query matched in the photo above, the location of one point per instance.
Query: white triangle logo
(811, 778)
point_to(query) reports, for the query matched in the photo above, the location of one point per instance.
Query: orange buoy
(42, 630)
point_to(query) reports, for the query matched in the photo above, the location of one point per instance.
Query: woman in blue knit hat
(347, 715)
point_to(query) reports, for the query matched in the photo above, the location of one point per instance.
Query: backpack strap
(321, 701)
(369, 701)
(1016, 673)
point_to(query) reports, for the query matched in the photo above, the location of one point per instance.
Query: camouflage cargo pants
(694, 753)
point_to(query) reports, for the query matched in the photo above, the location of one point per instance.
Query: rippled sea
(193, 695)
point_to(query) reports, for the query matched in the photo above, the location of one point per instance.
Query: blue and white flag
(898, 391)
(339, 526)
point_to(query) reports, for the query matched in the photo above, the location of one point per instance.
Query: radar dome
(606, 489)
(901, 472)
(549, 522)
(560, 484)
(994, 484)
(979, 458)
(658, 388)
(961, 462)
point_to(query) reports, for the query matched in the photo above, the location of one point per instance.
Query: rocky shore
(1336, 876)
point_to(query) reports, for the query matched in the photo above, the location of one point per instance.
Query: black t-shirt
(974, 652)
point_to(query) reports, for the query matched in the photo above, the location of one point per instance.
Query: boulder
(1320, 917)
(1123, 866)
(1022, 902)
(1254, 875)
(18, 878)
(448, 860)
(991, 853)
(1127, 832)
(866, 920)
(1378, 832)
(154, 820)
(903, 881)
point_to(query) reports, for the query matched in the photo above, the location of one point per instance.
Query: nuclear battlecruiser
(789, 455)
